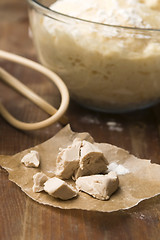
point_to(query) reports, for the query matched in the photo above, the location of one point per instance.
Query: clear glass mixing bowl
(107, 68)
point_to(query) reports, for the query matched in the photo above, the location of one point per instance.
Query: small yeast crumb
(59, 189)
(31, 159)
(39, 179)
(98, 186)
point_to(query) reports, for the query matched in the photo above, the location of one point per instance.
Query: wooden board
(138, 132)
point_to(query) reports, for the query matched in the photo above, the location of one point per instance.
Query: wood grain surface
(139, 132)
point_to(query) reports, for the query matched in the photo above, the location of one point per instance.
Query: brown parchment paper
(141, 183)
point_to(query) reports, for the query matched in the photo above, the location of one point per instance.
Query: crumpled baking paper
(142, 181)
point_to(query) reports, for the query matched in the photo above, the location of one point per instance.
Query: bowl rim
(50, 13)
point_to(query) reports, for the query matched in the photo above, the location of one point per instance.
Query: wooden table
(20, 217)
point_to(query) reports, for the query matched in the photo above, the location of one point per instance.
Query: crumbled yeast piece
(91, 161)
(31, 159)
(59, 189)
(39, 179)
(79, 159)
(98, 186)
(68, 160)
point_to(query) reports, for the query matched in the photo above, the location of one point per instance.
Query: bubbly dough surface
(133, 13)
(104, 67)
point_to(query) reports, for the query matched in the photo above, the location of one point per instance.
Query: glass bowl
(105, 67)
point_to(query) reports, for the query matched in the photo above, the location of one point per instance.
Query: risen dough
(107, 68)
